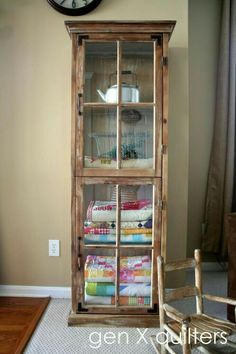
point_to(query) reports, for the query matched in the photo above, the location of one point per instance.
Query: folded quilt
(124, 224)
(98, 212)
(126, 275)
(108, 289)
(135, 262)
(105, 231)
(103, 269)
(135, 231)
(123, 300)
(129, 205)
(124, 239)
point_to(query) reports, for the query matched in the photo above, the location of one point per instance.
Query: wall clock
(74, 7)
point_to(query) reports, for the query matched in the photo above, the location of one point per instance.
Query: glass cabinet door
(118, 243)
(120, 108)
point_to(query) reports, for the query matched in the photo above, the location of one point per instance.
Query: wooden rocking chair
(189, 330)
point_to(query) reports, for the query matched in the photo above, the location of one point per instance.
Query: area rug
(19, 317)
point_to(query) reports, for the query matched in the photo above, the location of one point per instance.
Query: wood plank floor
(18, 319)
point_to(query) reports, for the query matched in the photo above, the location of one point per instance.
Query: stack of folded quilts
(135, 280)
(136, 222)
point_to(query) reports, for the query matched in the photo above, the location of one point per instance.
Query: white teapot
(129, 93)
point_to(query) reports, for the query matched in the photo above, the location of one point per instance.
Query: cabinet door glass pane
(99, 230)
(99, 214)
(137, 72)
(135, 278)
(100, 72)
(100, 138)
(136, 210)
(137, 137)
(99, 277)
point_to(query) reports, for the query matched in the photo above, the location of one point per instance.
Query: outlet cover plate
(54, 248)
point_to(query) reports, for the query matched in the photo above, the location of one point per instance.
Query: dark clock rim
(75, 12)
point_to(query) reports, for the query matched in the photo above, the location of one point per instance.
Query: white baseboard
(65, 292)
(35, 291)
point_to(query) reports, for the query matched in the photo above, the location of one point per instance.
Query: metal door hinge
(164, 61)
(164, 149)
(81, 38)
(79, 104)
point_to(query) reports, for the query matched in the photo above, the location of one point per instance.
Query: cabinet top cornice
(83, 27)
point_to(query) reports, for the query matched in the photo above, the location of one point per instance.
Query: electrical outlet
(54, 248)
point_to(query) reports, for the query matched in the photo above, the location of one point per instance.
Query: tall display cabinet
(119, 169)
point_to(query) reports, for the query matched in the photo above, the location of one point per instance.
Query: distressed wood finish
(165, 143)
(78, 278)
(109, 27)
(180, 293)
(88, 172)
(198, 281)
(110, 320)
(223, 300)
(183, 326)
(74, 266)
(161, 287)
(82, 32)
(79, 98)
(174, 314)
(178, 265)
(156, 237)
(117, 281)
(158, 106)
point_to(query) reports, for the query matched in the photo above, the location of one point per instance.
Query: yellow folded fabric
(136, 231)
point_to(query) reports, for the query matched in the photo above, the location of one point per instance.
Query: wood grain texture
(186, 324)
(174, 313)
(158, 113)
(178, 265)
(18, 320)
(106, 320)
(198, 281)
(127, 172)
(79, 100)
(220, 299)
(181, 293)
(120, 27)
(165, 102)
(155, 76)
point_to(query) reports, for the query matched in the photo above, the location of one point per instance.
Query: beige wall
(204, 27)
(35, 133)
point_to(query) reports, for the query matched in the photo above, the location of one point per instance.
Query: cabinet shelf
(136, 246)
(121, 104)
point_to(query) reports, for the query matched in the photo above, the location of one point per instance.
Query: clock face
(74, 7)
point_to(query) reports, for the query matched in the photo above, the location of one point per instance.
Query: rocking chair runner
(188, 329)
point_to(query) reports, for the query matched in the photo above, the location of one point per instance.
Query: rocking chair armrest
(175, 314)
(223, 300)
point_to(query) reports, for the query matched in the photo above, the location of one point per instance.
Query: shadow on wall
(178, 159)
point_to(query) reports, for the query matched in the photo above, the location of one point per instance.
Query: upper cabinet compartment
(117, 80)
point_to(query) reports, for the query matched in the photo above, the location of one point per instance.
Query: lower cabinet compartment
(115, 246)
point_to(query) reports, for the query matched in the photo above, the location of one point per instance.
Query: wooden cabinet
(119, 169)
